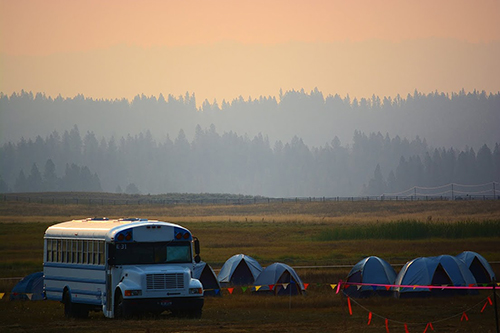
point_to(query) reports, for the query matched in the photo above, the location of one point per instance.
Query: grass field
(299, 234)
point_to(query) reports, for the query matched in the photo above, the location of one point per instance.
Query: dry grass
(303, 212)
(320, 311)
(276, 232)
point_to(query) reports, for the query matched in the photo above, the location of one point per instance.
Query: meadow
(331, 236)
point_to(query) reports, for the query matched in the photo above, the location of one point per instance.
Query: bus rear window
(152, 253)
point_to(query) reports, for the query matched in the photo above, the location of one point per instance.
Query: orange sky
(222, 49)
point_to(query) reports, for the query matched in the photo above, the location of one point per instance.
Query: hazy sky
(223, 49)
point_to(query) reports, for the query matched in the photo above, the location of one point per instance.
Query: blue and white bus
(122, 267)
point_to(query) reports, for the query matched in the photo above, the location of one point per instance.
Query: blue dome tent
(239, 270)
(282, 277)
(203, 272)
(29, 288)
(434, 271)
(370, 270)
(478, 265)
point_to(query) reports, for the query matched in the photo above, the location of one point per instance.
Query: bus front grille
(165, 281)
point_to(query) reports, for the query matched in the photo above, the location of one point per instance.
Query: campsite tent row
(467, 268)
(243, 270)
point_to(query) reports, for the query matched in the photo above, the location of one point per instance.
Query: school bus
(122, 267)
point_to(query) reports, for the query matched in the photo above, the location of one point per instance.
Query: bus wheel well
(120, 308)
(73, 310)
(65, 293)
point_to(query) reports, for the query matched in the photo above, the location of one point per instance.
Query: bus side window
(91, 252)
(101, 253)
(63, 250)
(59, 254)
(96, 253)
(79, 252)
(74, 250)
(49, 250)
(84, 252)
(53, 248)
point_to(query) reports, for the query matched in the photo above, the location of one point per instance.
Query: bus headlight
(195, 291)
(133, 292)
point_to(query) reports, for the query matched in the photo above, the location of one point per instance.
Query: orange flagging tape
(428, 325)
(487, 302)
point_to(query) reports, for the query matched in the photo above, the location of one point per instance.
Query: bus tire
(120, 308)
(73, 310)
(194, 313)
(68, 305)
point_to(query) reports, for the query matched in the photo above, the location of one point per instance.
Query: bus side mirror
(197, 258)
(196, 246)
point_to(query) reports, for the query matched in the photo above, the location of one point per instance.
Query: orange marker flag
(464, 315)
(428, 325)
(406, 328)
(349, 304)
(369, 318)
(387, 325)
(488, 301)
(306, 285)
(230, 290)
(271, 286)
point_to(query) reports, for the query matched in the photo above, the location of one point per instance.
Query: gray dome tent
(203, 272)
(283, 279)
(478, 265)
(239, 270)
(433, 271)
(370, 270)
(29, 288)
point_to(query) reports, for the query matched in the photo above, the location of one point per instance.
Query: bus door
(113, 276)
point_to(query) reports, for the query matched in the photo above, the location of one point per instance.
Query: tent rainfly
(479, 266)
(204, 273)
(239, 270)
(279, 279)
(29, 288)
(370, 270)
(434, 271)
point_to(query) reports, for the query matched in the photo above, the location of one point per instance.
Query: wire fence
(452, 191)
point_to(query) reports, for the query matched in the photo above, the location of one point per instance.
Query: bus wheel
(194, 313)
(72, 310)
(68, 305)
(120, 308)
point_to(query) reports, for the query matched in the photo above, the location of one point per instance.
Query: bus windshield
(151, 253)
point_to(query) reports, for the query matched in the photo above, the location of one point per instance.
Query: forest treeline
(227, 162)
(444, 119)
